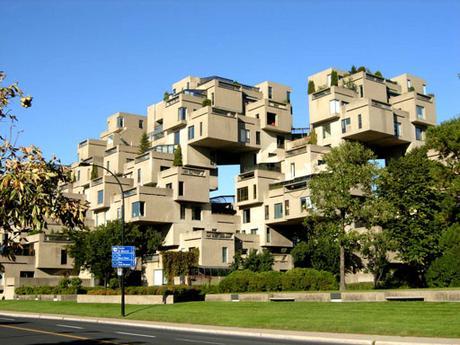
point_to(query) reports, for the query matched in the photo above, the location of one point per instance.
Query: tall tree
(177, 162)
(144, 143)
(409, 186)
(343, 194)
(30, 193)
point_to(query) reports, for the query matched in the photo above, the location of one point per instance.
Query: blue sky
(84, 60)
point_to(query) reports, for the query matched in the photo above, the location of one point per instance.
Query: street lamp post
(122, 283)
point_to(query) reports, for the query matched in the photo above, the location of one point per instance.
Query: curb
(355, 339)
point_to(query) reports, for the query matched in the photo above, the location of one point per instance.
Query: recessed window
(181, 188)
(397, 126)
(137, 209)
(346, 124)
(254, 231)
(271, 119)
(305, 203)
(326, 130)
(360, 121)
(247, 215)
(120, 122)
(191, 132)
(278, 210)
(177, 138)
(288, 96)
(268, 237)
(242, 194)
(141, 124)
(196, 213)
(420, 112)
(424, 89)
(270, 92)
(292, 170)
(280, 141)
(419, 133)
(245, 135)
(78, 175)
(201, 129)
(182, 113)
(139, 176)
(169, 185)
(257, 138)
(254, 191)
(361, 91)
(100, 196)
(182, 212)
(224, 255)
(26, 274)
(409, 83)
(212, 98)
(63, 257)
(334, 106)
(286, 207)
(267, 212)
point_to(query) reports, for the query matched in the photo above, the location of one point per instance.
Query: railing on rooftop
(426, 98)
(218, 235)
(164, 148)
(375, 78)
(321, 93)
(194, 172)
(379, 104)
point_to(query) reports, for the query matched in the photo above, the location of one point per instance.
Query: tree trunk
(342, 268)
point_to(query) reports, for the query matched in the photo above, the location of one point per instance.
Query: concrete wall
(129, 299)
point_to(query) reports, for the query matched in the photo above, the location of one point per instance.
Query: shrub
(266, 281)
(177, 162)
(378, 74)
(237, 281)
(308, 279)
(334, 78)
(311, 87)
(445, 270)
(360, 286)
(411, 89)
(206, 102)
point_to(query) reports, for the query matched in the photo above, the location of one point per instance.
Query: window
(182, 113)
(212, 98)
(424, 89)
(288, 96)
(201, 129)
(137, 209)
(120, 122)
(118, 212)
(107, 165)
(397, 126)
(169, 185)
(242, 194)
(321, 162)
(244, 135)
(224, 255)
(278, 210)
(63, 257)
(257, 138)
(100, 196)
(334, 106)
(280, 141)
(267, 212)
(271, 119)
(419, 133)
(254, 191)
(326, 130)
(78, 175)
(409, 83)
(268, 237)
(329, 79)
(191, 132)
(270, 92)
(139, 175)
(360, 121)
(196, 213)
(346, 124)
(181, 188)
(182, 212)
(141, 124)
(254, 231)
(305, 203)
(420, 112)
(163, 168)
(110, 140)
(361, 91)
(26, 274)
(292, 170)
(286, 207)
(247, 215)
(177, 138)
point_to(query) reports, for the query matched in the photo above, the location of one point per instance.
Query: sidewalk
(342, 338)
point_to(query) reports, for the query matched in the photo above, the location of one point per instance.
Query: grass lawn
(385, 318)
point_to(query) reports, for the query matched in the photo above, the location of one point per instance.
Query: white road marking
(199, 341)
(6, 319)
(69, 326)
(137, 335)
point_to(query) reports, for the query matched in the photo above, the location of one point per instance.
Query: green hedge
(297, 279)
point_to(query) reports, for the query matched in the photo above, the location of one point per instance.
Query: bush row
(297, 279)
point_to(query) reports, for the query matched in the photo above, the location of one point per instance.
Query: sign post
(123, 256)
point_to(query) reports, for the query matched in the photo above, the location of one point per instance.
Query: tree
(177, 162)
(313, 138)
(255, 262)
(343, 194)
(409, 186)
(30, 192)
(311, 87)
(92, 249)
(353, 69)
(144, 144)
(94, 172)
(378, 74)
(334, 78)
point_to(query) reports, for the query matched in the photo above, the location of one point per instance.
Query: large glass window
(137, 209)
(419, 133)
(181, 188)
(271, 119)
(245, 135)
(182, 113)
(346, 124)
(247, 215)
(120, 122)
(326, 130)
(334, 106)
(224, 255)
(177, 138)
(242, 194)
(278, 210)
(100, 196)
(420, 112)
(191, 132)
(305, 203)
(270, 92)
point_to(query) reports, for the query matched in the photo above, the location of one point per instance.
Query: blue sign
(123, 256)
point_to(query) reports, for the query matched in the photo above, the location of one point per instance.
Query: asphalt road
(27, 331)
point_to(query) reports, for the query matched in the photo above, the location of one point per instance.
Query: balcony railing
(375, 78)
(425, 98)
(164, 148)
(193, 172)
(218, 235)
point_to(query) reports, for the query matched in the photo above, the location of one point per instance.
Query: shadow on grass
(139, 310)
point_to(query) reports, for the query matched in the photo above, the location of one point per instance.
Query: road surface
(27, 331)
